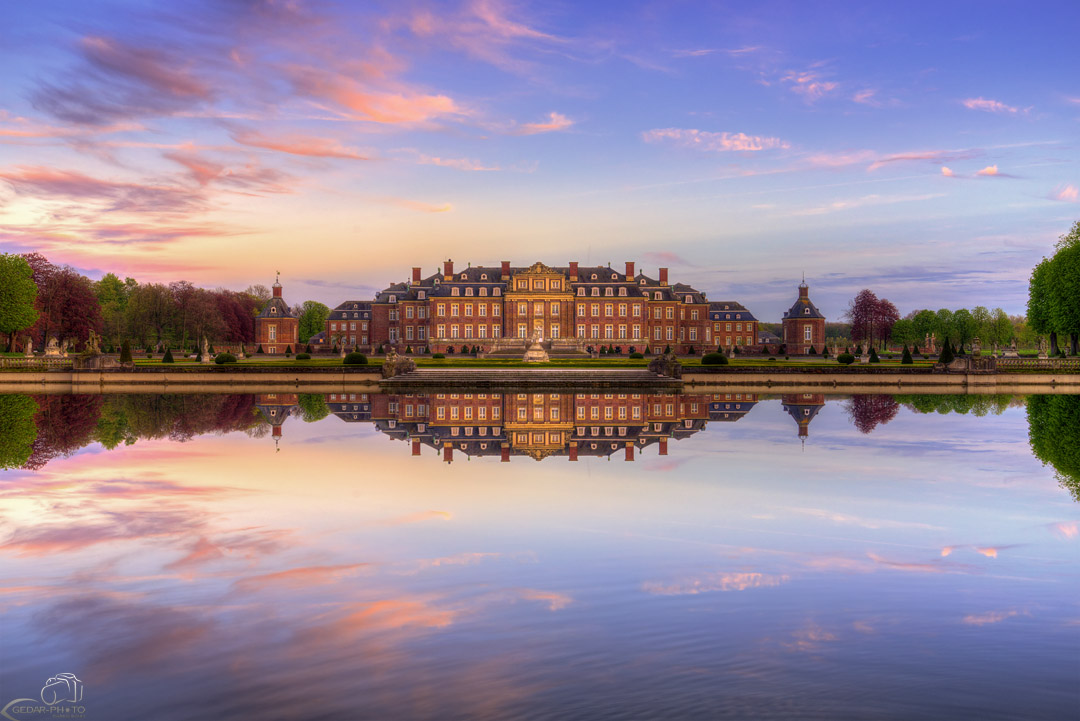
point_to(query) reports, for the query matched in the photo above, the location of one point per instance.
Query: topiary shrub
(259, 350)
(167, 358)
(149, 350)
(947, 355)
(825, 353)
(714, 359)
(225, 358)
(845, 359)
(811, 351)
(354, 359)
(288, 351)
(308, 349)
(125, 353)
(874, 356)
(667, 349)
(438, 356)
(906, 360)
(635, 355)
(303, 356)
(408, 350)
(450, 350)
(603, 350)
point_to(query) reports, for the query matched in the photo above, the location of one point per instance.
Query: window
(595, 331)
(581, 310)
(622, 331)
(421, 334)
(622, 310)
(596, 291)
(596, 309)
(670, 333)
(495, 331)
(523, 308)
(408, 332)
(482, 310)
(554, 330)
(455, 331)
(554, 308)
(468, 291)
(498, 291)
(483, 276)
(455, 310)
(609, 309)
(581, 291)
(727, 327)
(656, 313)
(409, 311)
(538, 285)
(393, 299)
(609, 291)
(581, 330)
(593, 276)
(670, 313)
(495, 308)
(622, 291)
(421, 294)
(556, 284)
(808, 332)
(468, 309)
(333, 326)
(483, 291)
(693, 314)
(440, 331)
(440, 309)
(656, 295)
(609, 332)
(273, 310)
(393, 314)
(522, 330)
(693, 334)
(455, 291)
(273, 332)
(637, 332)
(483, 331)
(468, 331)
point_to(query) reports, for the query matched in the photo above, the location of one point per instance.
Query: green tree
(903, 333)
(981, 315)
(18, 292)
(313, 407)
(17, 429)
(963, 327)
(313, 316)
(1001, 328)
(112, 295)
(1052, 424)
(1065, 293)
(943, 324)
(925, 323)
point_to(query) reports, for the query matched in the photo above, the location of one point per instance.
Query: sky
(927, 151)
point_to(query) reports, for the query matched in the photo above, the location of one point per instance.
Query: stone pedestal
(536, 353)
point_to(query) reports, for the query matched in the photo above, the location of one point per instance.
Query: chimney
(448, 453)
(506, 270)
(416, 276)
(663, 446)
(573, 271)
(629, 450)
(573, 450)
(629, 270)
(505, 455)
(663, 276)
(448, 270)
(416, 446)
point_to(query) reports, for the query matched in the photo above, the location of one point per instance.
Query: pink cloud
(989, 106)
(929, 155)
(357, 101)
(302, 577)
(456, 163)
(1066, 529)
(299, 145)
(555, 122)
(713, 142)
(988, 170)
(418, 517)
(119, 195)
(1067, 194)
(555, 601)
(710, 582)
(809, 84)
(250, 177)
(983, 619)
(947, 172)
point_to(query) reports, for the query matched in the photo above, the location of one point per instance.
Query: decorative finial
(278, 278)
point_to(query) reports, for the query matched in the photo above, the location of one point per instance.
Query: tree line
(41, 300)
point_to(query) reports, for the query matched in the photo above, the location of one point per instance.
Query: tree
(867, 412)
(903, 333)
(67, 306)
(1065, 293)
(150, 313)
(1038, 307)
(963, 326)
(943, 323)
(1000, 328)
(17, 429)
(924, 323)
(261, 294)
(885, 315)
(313, 316)
(18, 294)
(862, 312)
(313, 407)
(112, 295)
(1052, 424)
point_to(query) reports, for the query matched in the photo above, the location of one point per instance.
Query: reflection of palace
(803, 407)
(275, 408)
(535, 424)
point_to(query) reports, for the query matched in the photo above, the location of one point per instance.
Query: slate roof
(282, 309)
(798, 310)
(737, 310)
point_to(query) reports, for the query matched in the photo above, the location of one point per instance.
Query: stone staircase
(514, 349)
(530, 378)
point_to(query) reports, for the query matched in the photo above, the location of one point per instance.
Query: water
(802, 557)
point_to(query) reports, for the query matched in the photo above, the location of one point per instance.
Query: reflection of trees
(64, 425)
(17, 430)
(313, 407)
(176, 417)
(1054, 433)
(868, 411)
(978, 405)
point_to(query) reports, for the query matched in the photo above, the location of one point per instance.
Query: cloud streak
(713, 142)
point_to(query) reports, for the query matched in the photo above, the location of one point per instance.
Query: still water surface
(416, 557)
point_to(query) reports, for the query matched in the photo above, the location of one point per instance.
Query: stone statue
(28, 349)
(53, 349)
(92, 344)
(1042, 347)
(976, 346)
(240, 353)
(204, 351)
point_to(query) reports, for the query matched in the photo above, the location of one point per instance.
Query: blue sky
(924, 150)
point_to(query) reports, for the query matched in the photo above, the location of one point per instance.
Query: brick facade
(804, 325)
(277, 328)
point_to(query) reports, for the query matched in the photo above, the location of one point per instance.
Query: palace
(569, 307)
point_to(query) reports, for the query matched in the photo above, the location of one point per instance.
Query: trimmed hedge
(635, 355)
(714, 359)
(225, 358)
(845, 359)
(438, 356)
(303, 356)
(355, 359)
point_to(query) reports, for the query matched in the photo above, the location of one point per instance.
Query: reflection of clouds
(847, 519)
(991, 617)
(56, 538)
(555, 601)
(248, 543)
(1066, 529)
(715, 582)
(809, 638)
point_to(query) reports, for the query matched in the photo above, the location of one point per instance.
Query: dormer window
(468, 291)
(355, 315)
(420, 295)
(483, 276)
(273, 310)
(595, 291)
(622, 291)
(354, 306)
(483, 291)
(656, 295)
(642, 281)
(498, 291)
(689, 299)
(594, 276)
(806, 311)
(613, 276)
(463, 276)
(738, 316)
(609, 291)
(455, 291)
(581, 291)
(393, 299)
